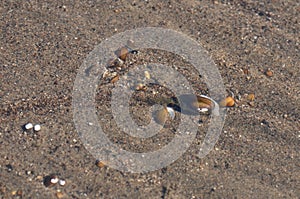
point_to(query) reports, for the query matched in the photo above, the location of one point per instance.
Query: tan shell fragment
(122, 53)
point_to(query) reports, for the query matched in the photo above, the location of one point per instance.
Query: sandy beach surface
(255, 46)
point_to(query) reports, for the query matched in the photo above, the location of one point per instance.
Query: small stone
(140, 87)
(147, 74)
(19, 193)
(269, 73)
(251, 97)
(37, 127)
(251, 103)
(28, 126)
(115, 79)
(246, 71)
(59, 194)
(100, 164)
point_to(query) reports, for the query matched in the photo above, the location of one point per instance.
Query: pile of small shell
(118, 63)
(203, 104)
(52, 180)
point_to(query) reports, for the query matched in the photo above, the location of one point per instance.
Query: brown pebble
(227, 102)
(122, 53)
(269, 73)
(246, 71)
(251, 97)
(115, 79)
(100, 164)
(19, 193)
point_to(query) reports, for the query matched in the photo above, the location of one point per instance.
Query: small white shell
(203, 110)
(37, 127)
(28, 126)
(171, 112)
(54, 180)
(62, 182)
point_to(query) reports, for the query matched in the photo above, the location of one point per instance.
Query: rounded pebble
(269, 73)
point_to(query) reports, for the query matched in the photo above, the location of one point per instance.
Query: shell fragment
(37, 127)
(28, 126)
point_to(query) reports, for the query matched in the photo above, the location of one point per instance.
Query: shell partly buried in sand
(161, 115)
(193, 104)
(122, 53)
(190, 105)
(205, 103)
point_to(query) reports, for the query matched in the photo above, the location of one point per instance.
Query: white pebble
(62, 182)
(28, 126)
(37, 127)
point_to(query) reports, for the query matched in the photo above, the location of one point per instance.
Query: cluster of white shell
(36, 127)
